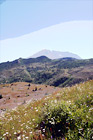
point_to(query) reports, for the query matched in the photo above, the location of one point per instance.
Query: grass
(66, 115)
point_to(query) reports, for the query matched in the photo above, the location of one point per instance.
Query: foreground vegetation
(66, 115)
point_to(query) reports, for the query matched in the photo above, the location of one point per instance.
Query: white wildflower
(4, 134)
(7, 133)
(19, 138)
(55, 101)
(15, 133)
(30, 132)
(26, 137)
(43, 130)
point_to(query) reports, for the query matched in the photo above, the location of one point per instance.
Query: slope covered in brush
(42, 70)
(63, 115)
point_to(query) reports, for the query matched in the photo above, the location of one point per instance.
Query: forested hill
(42, 70)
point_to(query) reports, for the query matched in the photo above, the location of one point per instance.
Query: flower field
(64, 115)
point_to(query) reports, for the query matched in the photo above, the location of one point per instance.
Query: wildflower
(50, 122)
(22, 124)
(55, 101)
(15, 133)
(19, 138)
(51, 137)
(90, 109)
(13, 127)
(43, 130)
(23, 136)
(43, 135)
(27, 126)
(7, 133)
(53, 122)
(4, 134)
(24, 131)
(30, 132)
(37, 125)
(86, 116)
(31, 108)
(45, 103)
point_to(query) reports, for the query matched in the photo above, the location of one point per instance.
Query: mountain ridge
(42, 70)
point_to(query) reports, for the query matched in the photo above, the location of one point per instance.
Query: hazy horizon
(27, 27)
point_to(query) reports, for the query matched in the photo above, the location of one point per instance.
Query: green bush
(62, 120)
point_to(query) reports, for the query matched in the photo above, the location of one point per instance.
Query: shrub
(62, 120)
(63, 115)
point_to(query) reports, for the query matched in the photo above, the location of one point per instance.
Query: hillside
(42, 70)
(55, 54)
(65, 114)
(19, 93)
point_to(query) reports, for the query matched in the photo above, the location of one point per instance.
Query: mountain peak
(52, 54)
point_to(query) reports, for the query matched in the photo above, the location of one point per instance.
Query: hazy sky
(24, 17)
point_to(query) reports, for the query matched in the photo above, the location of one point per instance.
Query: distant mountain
(55, 54)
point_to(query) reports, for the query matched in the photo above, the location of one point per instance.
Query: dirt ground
(21, 93)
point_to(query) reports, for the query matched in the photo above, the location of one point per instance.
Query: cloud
(74, 36)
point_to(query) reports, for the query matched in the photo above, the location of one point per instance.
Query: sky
(28, 26)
